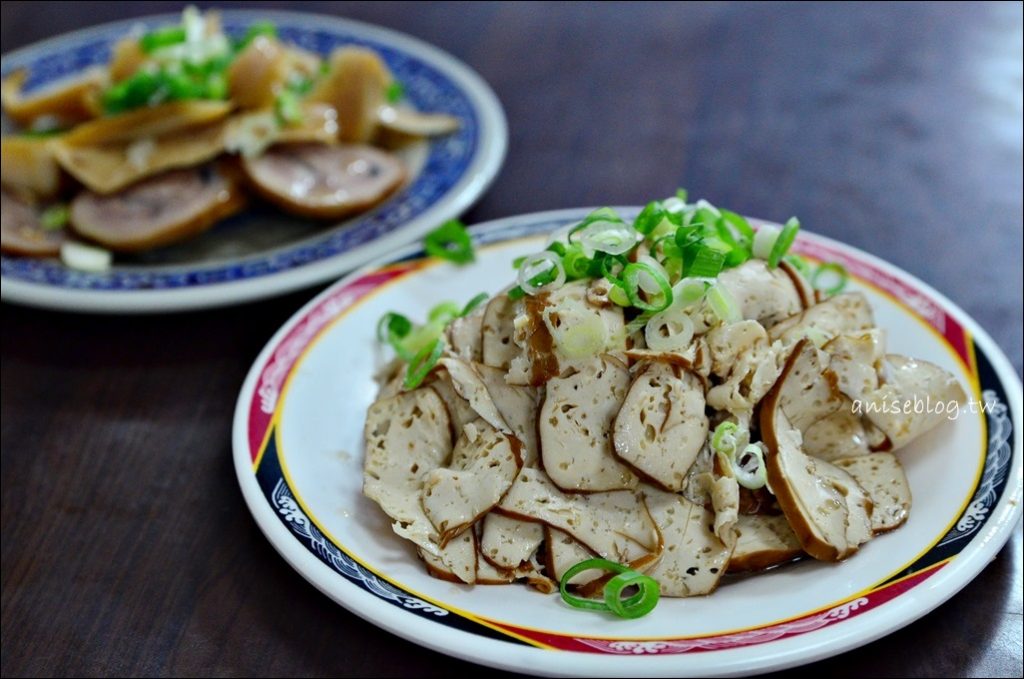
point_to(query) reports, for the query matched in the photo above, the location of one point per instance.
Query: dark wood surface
(126, 546)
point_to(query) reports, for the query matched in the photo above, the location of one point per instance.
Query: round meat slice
(20, 230)
(158, 211)
(324, 182)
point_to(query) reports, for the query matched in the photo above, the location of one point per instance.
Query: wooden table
(127, 548)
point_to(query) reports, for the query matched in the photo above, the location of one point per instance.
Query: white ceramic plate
(263, 252)
(298, 451)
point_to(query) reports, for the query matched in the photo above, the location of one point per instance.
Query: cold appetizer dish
(653, 404)
(183, 125)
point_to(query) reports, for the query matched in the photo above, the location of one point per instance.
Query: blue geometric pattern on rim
(425, 87)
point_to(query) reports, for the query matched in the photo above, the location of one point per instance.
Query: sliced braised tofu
(507, 542)
(457, 561)
(557, 330)
(464, 335)
(694, 358)
(518, 406)
(575, 427)
(562, 552)
(324, 182)
(763, 541)
(724, 493)
(840, 434)
(765, 295)
(806, 391)
(469, 385)
(489, 574)
(661, 425)
(459, 409)
(829, 512)
(728, 342)
(910, 383)
(843, 314)
(693, 558)
(856, 361)
(741, 354)
(496, 331)
(614, 525)
(882, 476)
(22, 233)
(158, 211)
(484, 465)
(407, 436)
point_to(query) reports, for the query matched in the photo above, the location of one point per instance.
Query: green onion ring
(392, 326)
(631, 276)
(637, 605)
(450, 241)
(830, 268)
(474, 303)
(634, 606)
(783, 242)
(422, 363)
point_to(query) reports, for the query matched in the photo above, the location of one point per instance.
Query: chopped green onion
(257, 29)
(516, 293)
(689, 291)
(162, 37)
(444, 312)
(618, 296)
(639, 604)
(723, 304)
(738, 222)
(831, 278)
(670, 330)
(682, 194)
(655, 217)
(647, 276)
(751, 478)
(576, 264)
(784, 241)
(450, 241)
(287, 108)
(707, 261)
(539, 271)
(723, 440)
(422, 363)
(764, 240)
(800, 264)
(55, 217)
(394, 92)
(472, 304)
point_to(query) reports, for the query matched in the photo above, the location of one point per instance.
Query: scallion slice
(831, 278)
(749, 468)
(764, 240)
(422, 363)
(635, 605)
(783, 242)
(472, 304)
(649, 277)
(55, 217)
(450, 241)
(540, 271)
(723, 304)
(638, 604)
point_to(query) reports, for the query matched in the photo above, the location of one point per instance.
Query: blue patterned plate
(263, 252)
